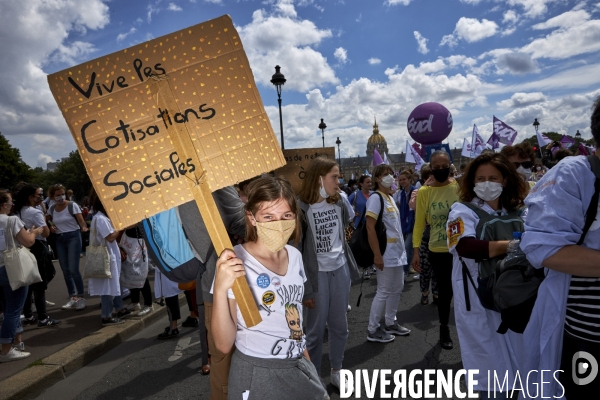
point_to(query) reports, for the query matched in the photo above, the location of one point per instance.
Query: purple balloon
(429, 123)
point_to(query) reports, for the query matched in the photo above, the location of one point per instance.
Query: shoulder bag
(97, 259)
(21, 266)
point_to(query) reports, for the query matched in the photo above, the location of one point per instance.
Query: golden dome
(376, 140)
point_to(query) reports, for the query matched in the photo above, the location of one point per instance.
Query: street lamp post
(338, 142)
(279, 80)
(578, 135)
(536, 125)
(322, 127)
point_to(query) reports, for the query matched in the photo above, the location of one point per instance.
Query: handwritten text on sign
(123, 134)
(297, 163)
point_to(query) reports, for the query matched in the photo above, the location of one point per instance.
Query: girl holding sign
(270, 359)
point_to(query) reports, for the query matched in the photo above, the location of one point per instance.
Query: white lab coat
(103, 286)
(163, 287)
(481, 346)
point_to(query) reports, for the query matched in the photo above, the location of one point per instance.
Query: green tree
(12, 168)
(71, 173)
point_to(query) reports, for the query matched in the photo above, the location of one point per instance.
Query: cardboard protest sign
(124, 134)
(297, 163)
(168, 121)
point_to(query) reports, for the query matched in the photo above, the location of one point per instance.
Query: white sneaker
(335, 381)
(80, 304)
(145, 310)
(134, 307)
(14, 354)
(20, 346)
(349, 308)
(71, 305)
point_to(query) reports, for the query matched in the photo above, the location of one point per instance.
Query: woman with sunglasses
(522, 157)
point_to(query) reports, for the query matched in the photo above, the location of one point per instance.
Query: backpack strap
(480, 213)
(51, 210)
(71, 209)
(467, 275)
(590, 214)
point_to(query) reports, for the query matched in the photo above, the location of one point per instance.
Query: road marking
(182, 344)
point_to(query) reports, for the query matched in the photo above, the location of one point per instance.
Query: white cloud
(422, 42)
(533, 8)
(565, 20)
(152, 9)
(522, 99)
(341, 55)
(35, 33)
(396, 2)
(471, 1)
(72, 53)
(472, 30)
(280, 38)
(510, 17)
(374, 61)
(174, 7)
(122, 36)
(43, 160)
(564, 43)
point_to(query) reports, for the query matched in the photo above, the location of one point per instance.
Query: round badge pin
(263, 281)
(276, 282)
(268, 298)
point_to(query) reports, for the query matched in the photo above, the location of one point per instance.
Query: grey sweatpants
(274, 378)
(331, 307)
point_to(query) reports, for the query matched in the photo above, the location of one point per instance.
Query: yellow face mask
(275, 234)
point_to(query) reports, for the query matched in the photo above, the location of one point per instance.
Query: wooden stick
(183, 143)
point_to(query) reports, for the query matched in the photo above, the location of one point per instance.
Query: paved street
(145, 368)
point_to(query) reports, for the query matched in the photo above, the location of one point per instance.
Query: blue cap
(517, 235)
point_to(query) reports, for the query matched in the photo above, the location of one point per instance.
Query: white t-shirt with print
(64, 221)
(279, 299)
(33, 216)
(4, 234)
(395, 254)
(325, 224)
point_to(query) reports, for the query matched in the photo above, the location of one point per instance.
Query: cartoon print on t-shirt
(292, 316)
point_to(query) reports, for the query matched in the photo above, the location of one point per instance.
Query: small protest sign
(297, 162)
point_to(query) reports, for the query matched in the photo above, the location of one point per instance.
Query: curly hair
(522, 150)
(514, 191)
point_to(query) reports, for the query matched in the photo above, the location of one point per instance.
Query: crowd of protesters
(433, 230)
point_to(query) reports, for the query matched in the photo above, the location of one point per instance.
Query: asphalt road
(146, 368)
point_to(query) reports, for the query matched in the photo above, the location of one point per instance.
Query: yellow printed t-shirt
(433, 206)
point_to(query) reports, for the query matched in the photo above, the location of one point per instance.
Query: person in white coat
(108, 289)
(492, 184)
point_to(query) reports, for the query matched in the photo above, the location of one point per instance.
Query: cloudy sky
(345, 61)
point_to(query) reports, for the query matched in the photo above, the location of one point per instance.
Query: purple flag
(494, 141)
(417, 147)
(506, 134)
(582, 150)
(567, 141)
(377, 158)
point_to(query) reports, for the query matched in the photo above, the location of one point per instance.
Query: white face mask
(60, 199)
(526, 173)
(488, 191)
(322, 191)
(538, 168)
(387, 181)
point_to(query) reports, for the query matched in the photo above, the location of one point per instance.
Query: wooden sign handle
(183, 143)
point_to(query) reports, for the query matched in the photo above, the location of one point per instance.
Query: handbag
(359, 242)
(21, 266)
(97, 259)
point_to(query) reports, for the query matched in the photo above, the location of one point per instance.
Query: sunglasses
(525, 164)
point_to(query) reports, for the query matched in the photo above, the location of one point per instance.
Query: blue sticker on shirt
(263, 281)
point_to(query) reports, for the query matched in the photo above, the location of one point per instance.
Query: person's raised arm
(224, 315)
